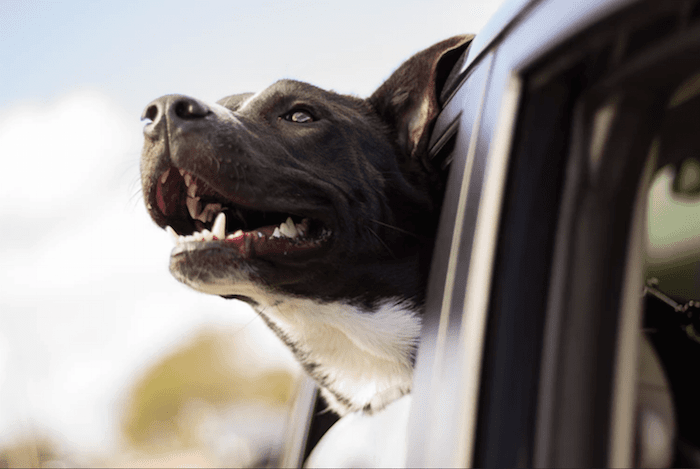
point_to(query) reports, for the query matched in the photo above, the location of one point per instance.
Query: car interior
(672, 315)
(625, 98)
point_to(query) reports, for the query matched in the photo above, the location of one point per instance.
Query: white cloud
(55, 154)
(86, 300)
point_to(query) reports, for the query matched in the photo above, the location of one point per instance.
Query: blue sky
(87, 301)
(137, 50)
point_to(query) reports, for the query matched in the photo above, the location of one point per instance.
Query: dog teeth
(219, 228)
(164, 177)
(188, 179)
(191, 188)
(288, 229)
(208, 213)
(235, 235)
(194, 207)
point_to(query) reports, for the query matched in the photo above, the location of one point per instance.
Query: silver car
(560, 328)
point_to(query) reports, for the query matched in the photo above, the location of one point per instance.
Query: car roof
(576, 17)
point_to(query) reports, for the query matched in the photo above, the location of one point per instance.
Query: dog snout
(177, 109)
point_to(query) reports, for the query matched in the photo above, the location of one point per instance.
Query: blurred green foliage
(205, 372)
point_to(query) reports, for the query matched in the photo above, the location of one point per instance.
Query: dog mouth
(199, 217)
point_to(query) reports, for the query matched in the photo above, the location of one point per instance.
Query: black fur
(355, 169)
(353, 175)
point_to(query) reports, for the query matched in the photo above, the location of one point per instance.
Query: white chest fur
(361, 359)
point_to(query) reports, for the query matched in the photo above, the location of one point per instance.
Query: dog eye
(300, 117)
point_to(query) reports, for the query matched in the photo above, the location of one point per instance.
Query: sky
(86, 301)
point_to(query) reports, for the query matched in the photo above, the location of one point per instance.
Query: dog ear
(409, 100)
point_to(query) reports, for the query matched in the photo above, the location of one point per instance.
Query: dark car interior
(672, 314)
(607, 119)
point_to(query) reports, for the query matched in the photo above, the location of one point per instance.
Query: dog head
(299, 191)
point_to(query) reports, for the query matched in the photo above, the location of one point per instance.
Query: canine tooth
(194, 207)
(173, 233)
(219, 228)
(276, 233)
(191, 189)
(164, 177)
(188, 179)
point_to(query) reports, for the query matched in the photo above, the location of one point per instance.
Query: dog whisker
(134, 199)
(396, 228)
(381, 241)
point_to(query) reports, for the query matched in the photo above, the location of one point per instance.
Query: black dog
(316, 208)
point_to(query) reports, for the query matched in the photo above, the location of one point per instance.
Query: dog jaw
(362, 359)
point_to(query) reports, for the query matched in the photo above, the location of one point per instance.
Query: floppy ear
(409, 100)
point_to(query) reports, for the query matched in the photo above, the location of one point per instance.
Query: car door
(530, 349)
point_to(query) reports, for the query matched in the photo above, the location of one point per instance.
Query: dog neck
(361, 359)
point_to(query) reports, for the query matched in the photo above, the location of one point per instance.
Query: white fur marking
(363, 356)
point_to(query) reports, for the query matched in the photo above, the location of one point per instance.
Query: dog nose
(176, 108)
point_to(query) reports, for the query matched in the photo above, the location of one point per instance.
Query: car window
(588, 113)
(568, 368)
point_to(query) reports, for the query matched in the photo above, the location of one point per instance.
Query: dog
(316, 208)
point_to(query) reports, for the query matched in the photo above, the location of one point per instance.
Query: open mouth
(196, 215)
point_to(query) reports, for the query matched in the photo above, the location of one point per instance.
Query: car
(558, 332)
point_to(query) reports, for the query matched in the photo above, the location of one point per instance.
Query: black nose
(176, 108)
